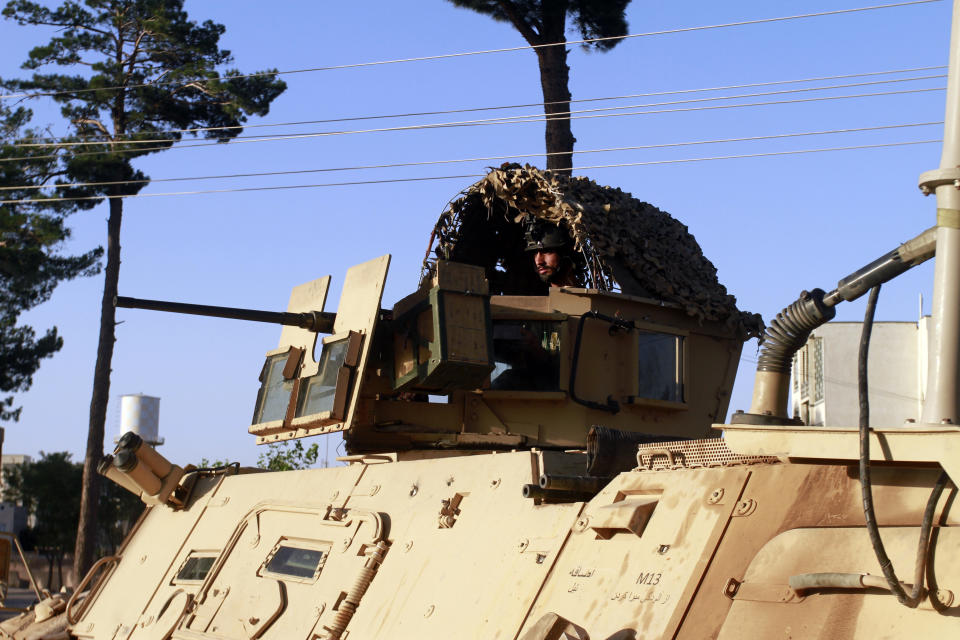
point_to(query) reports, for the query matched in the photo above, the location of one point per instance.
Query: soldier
(552, 252)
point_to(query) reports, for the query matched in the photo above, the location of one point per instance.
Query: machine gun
(316, 321)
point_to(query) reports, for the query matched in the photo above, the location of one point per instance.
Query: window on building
(804, 372)
(796, 374)
(817, 369)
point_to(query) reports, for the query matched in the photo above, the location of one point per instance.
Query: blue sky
(772, 226)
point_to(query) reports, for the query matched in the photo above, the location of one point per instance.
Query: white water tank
(141, 414)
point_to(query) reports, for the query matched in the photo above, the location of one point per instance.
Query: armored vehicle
(541, 460)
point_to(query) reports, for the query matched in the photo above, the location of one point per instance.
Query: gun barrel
(319, 321)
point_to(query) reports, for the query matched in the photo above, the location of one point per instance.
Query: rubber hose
(926, 528)
(790, 329)
(866, 486)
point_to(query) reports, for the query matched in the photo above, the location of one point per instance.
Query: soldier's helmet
(544, 236)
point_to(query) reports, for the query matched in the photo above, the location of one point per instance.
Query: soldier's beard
(559, 275)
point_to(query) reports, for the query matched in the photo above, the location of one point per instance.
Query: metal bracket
(744, 508)
(449, 510)
(930, 180)
(672, 460)
(759, 592)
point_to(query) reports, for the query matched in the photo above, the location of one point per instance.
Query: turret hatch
(302, 393)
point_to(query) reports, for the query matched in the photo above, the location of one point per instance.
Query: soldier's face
(547, 263)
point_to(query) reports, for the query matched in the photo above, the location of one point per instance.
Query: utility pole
(943, 369)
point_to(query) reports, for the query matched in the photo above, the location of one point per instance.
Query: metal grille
(712, 452)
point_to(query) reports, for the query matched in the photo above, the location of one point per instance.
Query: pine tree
(31, 236)
(144, 71)
(544, 22)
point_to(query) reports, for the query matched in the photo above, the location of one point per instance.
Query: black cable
(933, 588)
(218, 469)
(866, 487)
(869, 514)
(520, 119)
(926, 527)
(107, 139)
(395, 165)
(471, 175)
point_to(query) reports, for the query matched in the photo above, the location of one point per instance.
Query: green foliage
(147, 69)
(31, 266)
(118, 510)
(591, 18)
(49, 489)
(288, 456)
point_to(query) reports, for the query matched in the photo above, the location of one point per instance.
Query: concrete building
(14, 458)
(13, 517)
(824, 378)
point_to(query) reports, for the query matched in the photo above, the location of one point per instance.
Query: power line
(535, 104)
(245, 189)
(475, 123)
(517, 117)
(477, 159)
(761, 155)
(499, 50)
(475, 175)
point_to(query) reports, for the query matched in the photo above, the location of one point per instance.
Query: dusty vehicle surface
(540, 462)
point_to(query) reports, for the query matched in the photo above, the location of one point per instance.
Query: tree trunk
(554, 80)
(89, 499)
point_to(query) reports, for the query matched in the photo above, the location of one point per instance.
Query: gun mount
(452, 367)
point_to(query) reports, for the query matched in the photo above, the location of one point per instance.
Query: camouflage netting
(620, 242)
